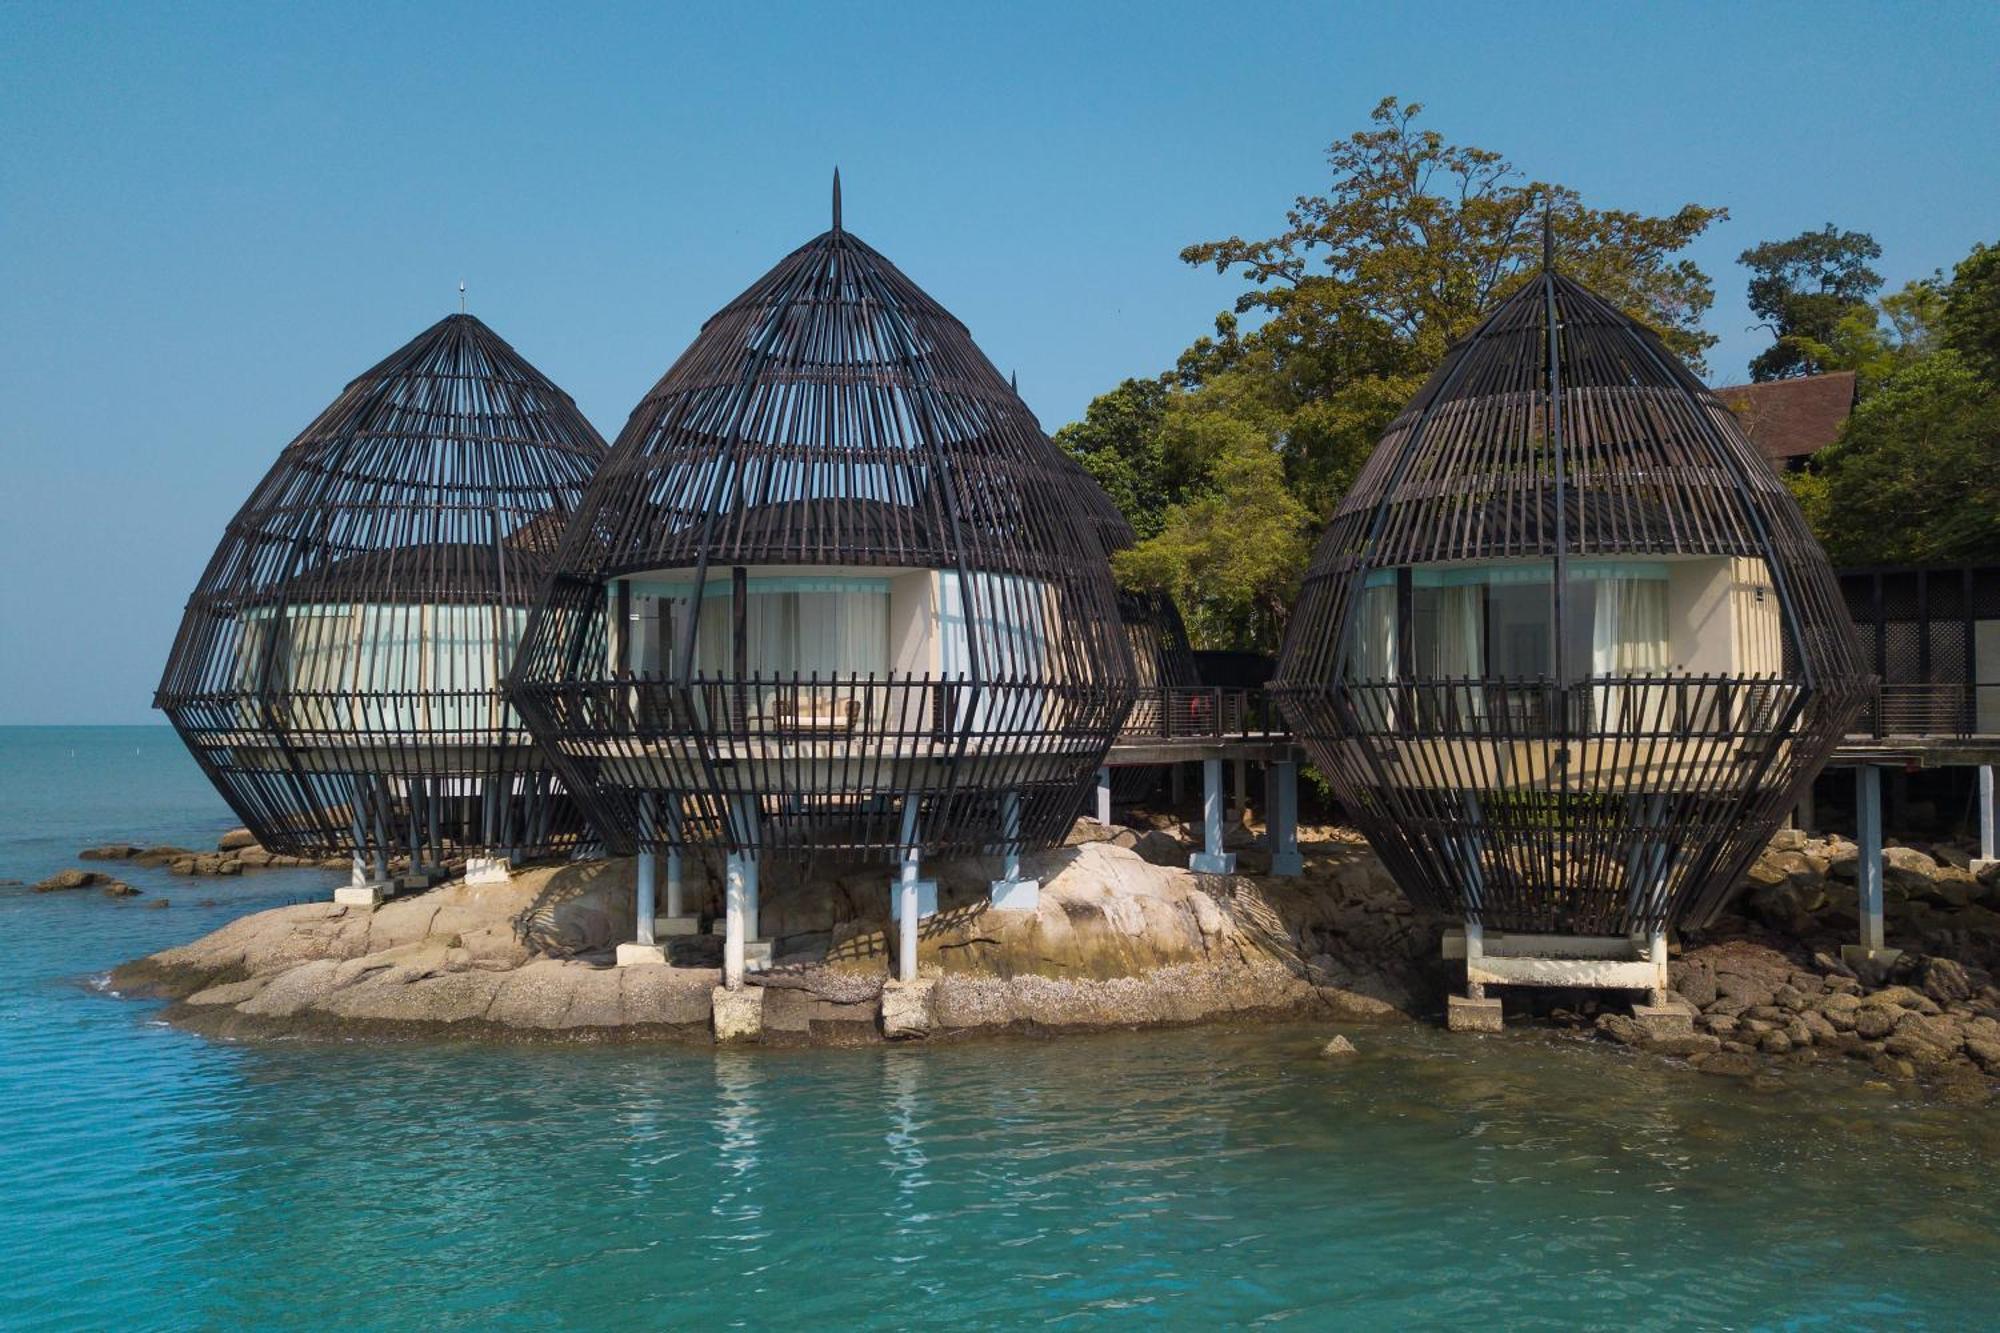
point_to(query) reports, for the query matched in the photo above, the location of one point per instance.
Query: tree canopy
(1803, 289)
(1914, 477)
(1257, 431)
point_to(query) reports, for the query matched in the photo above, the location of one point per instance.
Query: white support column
(1281, 818)
(676, 907)
(1212, 860)
(907, 896)
(735, 892)
(645, 949)
(1240, 810)
(1011, 893)
(646, 902)
(1987, 817)
(1868, 876)
(1104, 797)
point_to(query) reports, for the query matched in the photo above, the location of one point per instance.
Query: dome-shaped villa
(337, 673)
(1568, 652)
(832, 598)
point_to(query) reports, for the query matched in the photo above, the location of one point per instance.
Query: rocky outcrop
(1116, 941)
(64, 881)
(235, 852)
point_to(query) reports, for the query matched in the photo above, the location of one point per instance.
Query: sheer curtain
(1008, 618)
(1373, 657)
(1461, 646)
(1629, 638)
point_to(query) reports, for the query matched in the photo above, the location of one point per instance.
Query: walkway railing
(1235, 713)
(1922, 710)
(1203, 712)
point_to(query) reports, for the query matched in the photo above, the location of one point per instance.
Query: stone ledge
(642, 955)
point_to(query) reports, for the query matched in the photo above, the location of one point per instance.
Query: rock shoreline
(1124, 937)
(1117, 941)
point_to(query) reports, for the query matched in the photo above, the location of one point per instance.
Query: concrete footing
(1015, 895)
(1213, 863)
(738, 1014)
(1462, 1014)
(371, 894)
(488, 870)
(1660, 1022)
(906, 1007)
(642, 955)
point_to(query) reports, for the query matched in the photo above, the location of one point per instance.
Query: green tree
(1802, 289)
(1232, 554)
(1971, 318)
(1344, 314)
(1915, 475)
(1876, 341)
(1118, 443)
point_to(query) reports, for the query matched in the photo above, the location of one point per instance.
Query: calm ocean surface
(151, 1179)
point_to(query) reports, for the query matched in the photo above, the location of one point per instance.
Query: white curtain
(1008, 618)
(1629, 638)
(1374, 652)
(790, 632)
(320, 643)
(1461, 646)
(390, 666)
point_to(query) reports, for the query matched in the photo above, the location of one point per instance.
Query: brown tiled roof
(1792, 418)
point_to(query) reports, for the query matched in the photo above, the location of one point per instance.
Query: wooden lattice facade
(834, 594)
(1567, 650)
(337, 673)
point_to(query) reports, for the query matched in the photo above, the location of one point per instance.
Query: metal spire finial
(461, 296)
(1548, 237)
(836, 198)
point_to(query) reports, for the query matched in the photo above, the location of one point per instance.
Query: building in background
(1791, 420)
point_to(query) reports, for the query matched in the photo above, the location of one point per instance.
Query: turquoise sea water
(152, 1179)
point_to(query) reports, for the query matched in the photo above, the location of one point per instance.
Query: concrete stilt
(363, 888)
(1239, 809)
(735, 900)
(909, 896)
(1281, 816)
(644, 950)
(1472, 1011)
(1987, 816)
(1104, 797)
(1011, 893)
(646, 905)
(1212, 860)
(675, 919)
(1868, 872)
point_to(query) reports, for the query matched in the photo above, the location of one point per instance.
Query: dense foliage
(1915, 476)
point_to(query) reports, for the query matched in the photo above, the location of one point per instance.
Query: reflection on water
(149, 1178)
(1207, 1175)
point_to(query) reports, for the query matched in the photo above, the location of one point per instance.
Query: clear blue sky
(212, 217)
